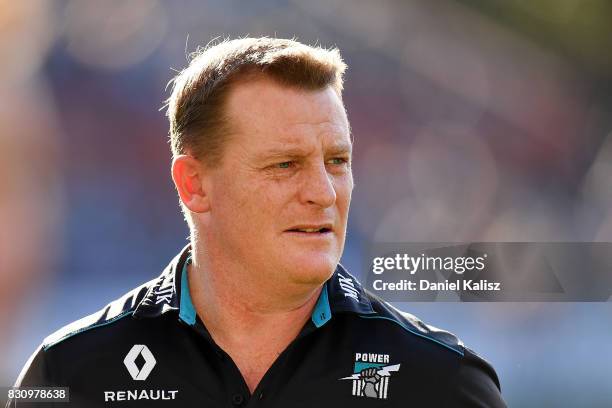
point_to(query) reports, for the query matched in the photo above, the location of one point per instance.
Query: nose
(317, 187)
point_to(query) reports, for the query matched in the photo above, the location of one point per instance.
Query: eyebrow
(342, 148)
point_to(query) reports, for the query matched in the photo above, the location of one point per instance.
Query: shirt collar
(346, 293)
(342, 293)
(164, 294)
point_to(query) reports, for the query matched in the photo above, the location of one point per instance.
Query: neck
(230, 308)
(251, 322)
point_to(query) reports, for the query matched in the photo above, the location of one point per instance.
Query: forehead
(263, 113)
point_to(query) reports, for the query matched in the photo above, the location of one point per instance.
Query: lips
(311, 228)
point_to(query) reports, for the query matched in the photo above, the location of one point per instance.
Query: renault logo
(130, 362)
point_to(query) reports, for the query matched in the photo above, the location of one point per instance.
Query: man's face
(280, 197)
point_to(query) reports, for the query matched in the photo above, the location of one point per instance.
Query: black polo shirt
(150, 349)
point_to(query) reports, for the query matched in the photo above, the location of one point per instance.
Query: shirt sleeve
(35, 373)
(475, 385)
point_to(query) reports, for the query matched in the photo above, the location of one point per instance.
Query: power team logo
(371, 374)
(130, 362)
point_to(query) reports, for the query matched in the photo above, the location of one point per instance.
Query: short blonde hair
(195, 108)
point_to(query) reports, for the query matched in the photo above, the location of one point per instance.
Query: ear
(189, 176)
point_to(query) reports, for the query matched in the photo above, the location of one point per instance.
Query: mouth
(314, 230)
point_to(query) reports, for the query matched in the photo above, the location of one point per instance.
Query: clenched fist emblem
(371, 380)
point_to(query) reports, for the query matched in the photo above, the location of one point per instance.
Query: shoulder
(72, 344)
(440, 364)
(151, 299)
(116, 310)
(86, 344)
(412, 327)
(433, 349)
(347, 295)
(374, 324)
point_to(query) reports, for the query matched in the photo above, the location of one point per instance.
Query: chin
(313, 269)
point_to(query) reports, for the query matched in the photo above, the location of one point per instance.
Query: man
(257, 311)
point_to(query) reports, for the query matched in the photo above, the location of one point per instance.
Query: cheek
(259, 203)
(344, 190)
(230, 207)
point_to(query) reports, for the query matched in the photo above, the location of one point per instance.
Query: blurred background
(473, 120)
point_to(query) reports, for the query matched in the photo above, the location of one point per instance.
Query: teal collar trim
(187, 313)
(321, 313)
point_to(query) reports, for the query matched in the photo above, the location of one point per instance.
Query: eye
(338, 161)
(284, 165)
